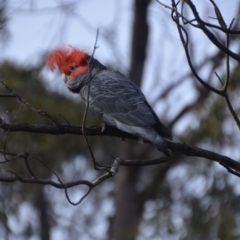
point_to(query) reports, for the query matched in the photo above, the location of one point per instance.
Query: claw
(103, 127)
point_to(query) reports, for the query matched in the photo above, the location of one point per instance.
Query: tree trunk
(42, 206)
(128, 205)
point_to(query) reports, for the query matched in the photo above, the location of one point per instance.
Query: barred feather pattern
(113, 98)
(118, 102)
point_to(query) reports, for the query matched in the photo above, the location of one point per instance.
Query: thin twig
(232, 111)
(219, 15)
(87, 104)
(208, 33)
(218, 77)
(23, 101)
(229, 104)
(184, 40)
(186, 21)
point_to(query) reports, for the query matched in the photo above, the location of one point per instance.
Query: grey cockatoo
(113, 98)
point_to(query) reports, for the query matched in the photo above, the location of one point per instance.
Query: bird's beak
(64, 78)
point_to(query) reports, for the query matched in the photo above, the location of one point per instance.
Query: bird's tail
(162, 147)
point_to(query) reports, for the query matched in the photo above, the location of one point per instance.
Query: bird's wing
(113, 94)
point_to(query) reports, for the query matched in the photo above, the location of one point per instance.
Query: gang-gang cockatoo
(113, 98)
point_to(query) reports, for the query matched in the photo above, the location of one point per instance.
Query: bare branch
(184, 39)
(230, 107)
(208, 33)
(180, 148)
(186, 21)
(219, 15)
(96, 165)
(24, 102)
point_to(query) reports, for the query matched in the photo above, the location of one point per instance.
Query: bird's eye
(71, 68)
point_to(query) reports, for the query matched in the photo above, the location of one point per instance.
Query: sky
(39, 26)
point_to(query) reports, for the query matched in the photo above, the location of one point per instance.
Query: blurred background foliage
(188, 198)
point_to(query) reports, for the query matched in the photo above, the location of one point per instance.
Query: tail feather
(159, 127)
(163, 148)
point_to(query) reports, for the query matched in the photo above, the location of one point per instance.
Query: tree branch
(87, 106)
(178, 148)
(209, 34)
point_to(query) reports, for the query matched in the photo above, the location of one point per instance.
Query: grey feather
(113, 94)
(118, 102)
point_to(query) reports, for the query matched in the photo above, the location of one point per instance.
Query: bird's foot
(104, 126)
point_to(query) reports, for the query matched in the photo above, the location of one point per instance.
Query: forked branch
(181, 21)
